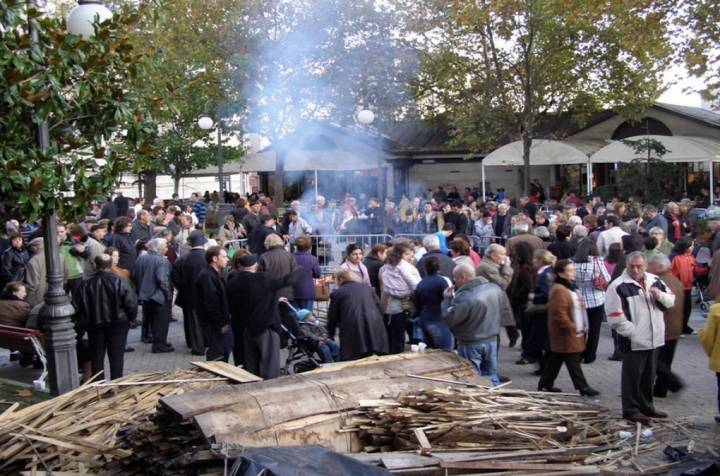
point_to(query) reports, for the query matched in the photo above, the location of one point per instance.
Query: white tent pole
(589, 177)
(712, 182)
(482, 168)
(316, 186)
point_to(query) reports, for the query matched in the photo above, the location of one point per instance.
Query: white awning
(680, 149)
(544, 152)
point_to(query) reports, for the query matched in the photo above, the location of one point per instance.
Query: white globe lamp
(82, 18)
(205, 123)
(366, 117)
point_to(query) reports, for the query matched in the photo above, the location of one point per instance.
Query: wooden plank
(157, 382)
(512, 466)
(230, 371)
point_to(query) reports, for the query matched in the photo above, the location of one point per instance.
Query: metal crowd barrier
(330, 249)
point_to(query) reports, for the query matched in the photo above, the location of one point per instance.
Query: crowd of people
(456, 272)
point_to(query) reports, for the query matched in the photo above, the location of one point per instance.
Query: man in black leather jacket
(106, 305)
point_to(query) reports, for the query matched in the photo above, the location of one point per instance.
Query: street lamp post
(366, 117)
(206, 123)
(56, 312)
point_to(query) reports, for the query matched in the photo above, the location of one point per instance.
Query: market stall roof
(679, 149)
(544, 152)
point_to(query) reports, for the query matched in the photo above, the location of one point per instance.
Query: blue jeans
(303, 304)
(438, 334)
(330, 351)
(483, 357)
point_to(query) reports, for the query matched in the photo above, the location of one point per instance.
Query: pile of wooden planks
(480, 429)
(78, 431)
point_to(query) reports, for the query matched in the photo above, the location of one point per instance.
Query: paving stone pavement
(698, 399)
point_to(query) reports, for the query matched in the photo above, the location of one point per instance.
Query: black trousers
(595, 319)
(262, 353)
(193, 332)
(158, 317)
(553, 364)
(238, 347)
(110, 340)
(219, 345)
(636, 384)
(665, 378)
(538, 342)
(396, 325)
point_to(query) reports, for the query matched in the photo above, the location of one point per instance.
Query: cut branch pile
(484, 429)
(79, 429)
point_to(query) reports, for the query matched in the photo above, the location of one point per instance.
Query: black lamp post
(56, 313)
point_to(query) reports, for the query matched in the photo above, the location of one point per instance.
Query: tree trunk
(176, 183)
(527, 143)
(150, 179)
(278, 179)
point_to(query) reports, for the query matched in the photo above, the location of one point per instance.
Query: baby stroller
(703, 256)
(303, 348)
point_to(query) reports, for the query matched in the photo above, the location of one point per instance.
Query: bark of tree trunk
(150, 179)
(278, 179)
(176, 183)
(527, 143)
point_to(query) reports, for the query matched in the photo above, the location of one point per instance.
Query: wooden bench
(18, 338)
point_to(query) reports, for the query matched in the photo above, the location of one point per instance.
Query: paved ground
(698, 400)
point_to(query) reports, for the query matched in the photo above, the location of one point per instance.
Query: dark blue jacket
(126, 249)
(429, 297)
(304, 287)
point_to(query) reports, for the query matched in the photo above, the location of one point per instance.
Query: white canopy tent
(679, 149)
(544, 152)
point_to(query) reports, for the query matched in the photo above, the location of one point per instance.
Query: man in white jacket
(634, 305)
(613, 234)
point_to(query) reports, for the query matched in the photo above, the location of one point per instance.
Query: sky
(680, 92)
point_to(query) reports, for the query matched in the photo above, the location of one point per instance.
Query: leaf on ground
(24, 393)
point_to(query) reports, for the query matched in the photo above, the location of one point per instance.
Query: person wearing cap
(256, 239)
(35, 272)
(184, 272)
(253, 301)
(211, 305)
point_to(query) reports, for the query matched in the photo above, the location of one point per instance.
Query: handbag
(322, 290)
(599, 281)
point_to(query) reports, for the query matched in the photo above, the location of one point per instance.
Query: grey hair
(636, 254)
(580, 231)
(659, 259)
(656, 229)
(542, 232)
(464, 270)
(142, 211)
(157, 244)
(522, 226)
(650, 208)
(492, 249)
(431, 242)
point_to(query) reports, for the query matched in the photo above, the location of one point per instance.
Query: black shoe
(659, 393)
(549, 389)
(163, 350)
(589, 392)
(147, 340)
(538, 372)
(197, 352)
(525, 361)
(129, 349)
(512, 342)
(135, 324)
(589, 360)
(655, 414)
(717, 419)
(503, 378)
(688, 331)
(638, 418)
(615, 357)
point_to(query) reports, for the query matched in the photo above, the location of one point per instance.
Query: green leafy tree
(494, 69)
(698, 23)
(196, 51)
(80, 89)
